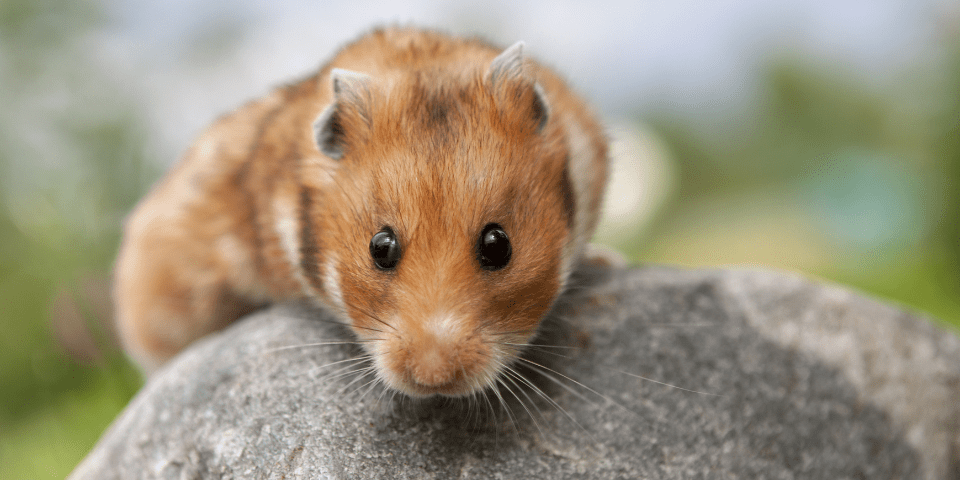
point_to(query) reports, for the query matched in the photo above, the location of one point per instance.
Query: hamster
(433, 192)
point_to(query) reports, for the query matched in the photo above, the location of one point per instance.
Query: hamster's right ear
(348, 116)
(506, 76)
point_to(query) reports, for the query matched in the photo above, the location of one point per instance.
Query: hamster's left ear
(507, 78)
(348, 117)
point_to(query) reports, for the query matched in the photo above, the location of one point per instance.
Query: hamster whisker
(348, 326)
(374, 317)
(354, 363)
(372, 384)
(471, 399)
(353, 359)
(393, 394)
(504, 405)
(477, 406)
(543, 395)
(482, 395)
(537, 345)
(539, 349)
(343, 373)
(318, 344)
(661, 325)
(375, 330)
(383, 392)
(352, 392)
(513, 332)
(552, 375)
(365, 372)
(568, 388)
(667, 384)
(524, 405)
(495, 412)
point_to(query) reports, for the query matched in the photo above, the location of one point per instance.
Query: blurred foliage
(70, 165)
(830, 177)
(825, 175)
(949, 151)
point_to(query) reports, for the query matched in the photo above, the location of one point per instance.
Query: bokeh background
(821, 137)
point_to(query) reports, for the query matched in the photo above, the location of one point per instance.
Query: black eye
(493, 247)
(385, 249)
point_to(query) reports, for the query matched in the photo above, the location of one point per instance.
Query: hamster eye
(385, 249)
(493, 247)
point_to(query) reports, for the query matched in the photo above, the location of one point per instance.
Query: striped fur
(431, 135)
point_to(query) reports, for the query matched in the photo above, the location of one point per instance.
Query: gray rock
(778, 378)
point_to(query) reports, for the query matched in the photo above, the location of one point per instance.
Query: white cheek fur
(287, 227)
(331, 283)
(583, 176)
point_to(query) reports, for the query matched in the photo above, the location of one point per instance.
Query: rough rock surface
(795, 380)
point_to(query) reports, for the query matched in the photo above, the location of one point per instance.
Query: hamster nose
(434, 365)
(443, 355)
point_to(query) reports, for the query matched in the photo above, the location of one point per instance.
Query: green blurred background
(823, 173)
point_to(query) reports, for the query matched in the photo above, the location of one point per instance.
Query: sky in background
(191, 60)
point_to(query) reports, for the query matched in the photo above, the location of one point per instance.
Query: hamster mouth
(443, 354)
(463, 382)
(459, 387)
(451, 389)
(455, 376)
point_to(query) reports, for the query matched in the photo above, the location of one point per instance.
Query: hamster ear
(350, 109)
(506, 71)
(508, 65)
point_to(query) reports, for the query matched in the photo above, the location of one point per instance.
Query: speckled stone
(779, 378)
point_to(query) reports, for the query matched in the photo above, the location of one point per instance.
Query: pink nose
(434, 365)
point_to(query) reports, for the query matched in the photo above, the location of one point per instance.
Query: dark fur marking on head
(241, 179)
(569, 197)
(436, 111)
(309, 250)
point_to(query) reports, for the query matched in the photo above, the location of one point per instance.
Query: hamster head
(442, 228)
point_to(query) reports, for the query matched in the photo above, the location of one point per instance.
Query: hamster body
(433, 192)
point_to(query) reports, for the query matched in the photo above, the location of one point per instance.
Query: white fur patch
(444, 327)
(287, 227)
(331, 282)
(583, 174)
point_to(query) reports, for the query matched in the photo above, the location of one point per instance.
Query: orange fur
(437, 142)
